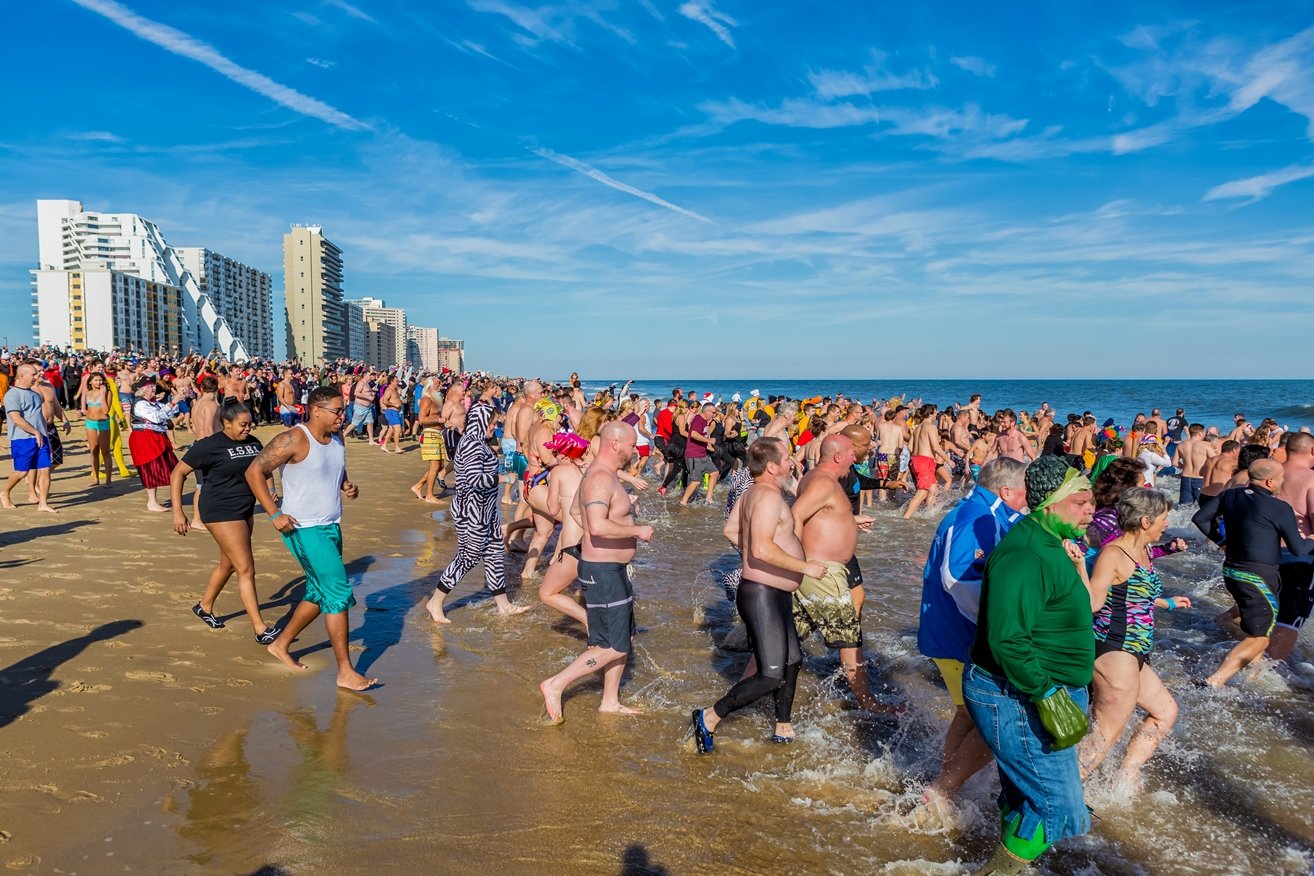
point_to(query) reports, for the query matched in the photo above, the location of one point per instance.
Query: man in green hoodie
(1033, 657)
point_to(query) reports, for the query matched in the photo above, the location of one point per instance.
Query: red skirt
(153, 457)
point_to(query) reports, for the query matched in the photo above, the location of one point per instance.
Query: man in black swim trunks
(608, 546)
(1255, 523)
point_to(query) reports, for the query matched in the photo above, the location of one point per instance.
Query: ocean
(1209, 402)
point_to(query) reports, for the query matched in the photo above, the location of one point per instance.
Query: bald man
(28, 443)
(1296, 599)
(1256, 522)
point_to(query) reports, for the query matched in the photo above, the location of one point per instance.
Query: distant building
(380, 344)
(422, 348)
(312, 287)
(103, 250)
(354, 319)
(375, 309)
(451, 354)
(101, 309)
(243, 294)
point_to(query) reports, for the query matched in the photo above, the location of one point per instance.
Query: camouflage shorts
(826, 606)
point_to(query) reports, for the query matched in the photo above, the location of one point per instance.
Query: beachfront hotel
(451, 354)
(111, 280)
(375, 311)
(312, 289)
(243, 294)
(422, 347)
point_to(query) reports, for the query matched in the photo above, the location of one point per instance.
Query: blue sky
(713, 188)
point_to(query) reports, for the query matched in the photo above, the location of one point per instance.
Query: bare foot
(279, 650)
(551, 702)
(506, 607)
(5, 503)
(353, 680)
(433, 500)
(435, 608)
(618, 709)
(196, 524)
(416, 491)
(156, 508)
(47, 509)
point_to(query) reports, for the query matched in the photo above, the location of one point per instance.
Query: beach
(137, 740)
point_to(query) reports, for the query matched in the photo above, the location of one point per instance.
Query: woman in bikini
(95, 407)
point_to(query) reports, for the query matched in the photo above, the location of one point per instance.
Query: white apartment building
(243, 295)
(101, 309)
(375, 309)
(422, 347)
(73, 239)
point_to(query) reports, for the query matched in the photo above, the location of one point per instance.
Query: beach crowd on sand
(1040, 590)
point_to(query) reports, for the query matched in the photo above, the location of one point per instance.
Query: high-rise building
(354, 319)
(451, 354)
(422, 347)
(375, 309)
(380, 344)
(242, 294)
(74, 240)
(100, 309)
(312, 284)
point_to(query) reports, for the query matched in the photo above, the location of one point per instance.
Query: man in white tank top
(313, 465)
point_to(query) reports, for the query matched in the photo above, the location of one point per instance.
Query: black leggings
(676, 470)
(768, 615)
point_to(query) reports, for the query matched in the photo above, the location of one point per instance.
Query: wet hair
(1249, 454)
(233, 411)
(1003, 471)
(1138, 502)
(762, 453)
(321, 394)
(1230, 445)
(1121, 475)
(1195, 429)
(209, 383)
(1299, 442)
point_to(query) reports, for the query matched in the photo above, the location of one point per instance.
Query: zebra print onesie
(475, 507)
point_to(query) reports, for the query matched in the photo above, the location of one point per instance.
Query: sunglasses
(336, 412)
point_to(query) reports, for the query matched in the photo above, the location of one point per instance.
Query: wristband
(1172, 604)
(275, 515)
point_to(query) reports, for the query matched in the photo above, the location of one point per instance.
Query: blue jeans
(1189, 492)
(1042, 784)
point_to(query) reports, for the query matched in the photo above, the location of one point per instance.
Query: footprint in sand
(91, 734)
(24, 863)
(240, 682)
(141, 675)
(84, 687)
(116, 760)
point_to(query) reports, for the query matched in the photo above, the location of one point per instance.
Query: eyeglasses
(336, 412)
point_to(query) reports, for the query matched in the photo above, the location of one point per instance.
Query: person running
(1190, 457)
(223, 458)
(477, 515)
(152, 453)
(1125, 590)
(95, 410)
(563, 571)
(28, 444)
(697, 453)
(606, 513)
(1218, 469)
(1031, 661)
(312, 465)
(951, 595)
(774, 565)
(1255, 523)
(927, 454)
(1296, 598)
(391, 402)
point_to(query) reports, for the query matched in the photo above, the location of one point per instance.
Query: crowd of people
(1040, 588)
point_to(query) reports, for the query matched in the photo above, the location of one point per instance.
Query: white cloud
(874, 77)
(353, 11)
(321, 63)
(717, 22)
(173, 40)
(594, 173)
(975, 66)
(1257, 188)
(96, 137)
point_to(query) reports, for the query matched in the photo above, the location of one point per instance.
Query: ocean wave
(1296, 411)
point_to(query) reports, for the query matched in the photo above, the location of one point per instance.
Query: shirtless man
(1218, 470)
(453, 415)
(520, 421)
(567, 475)
(927, 455)
(1011, 442)
(540, 460)
(53, 412)
(973, 408)
(391, 402)
(1083, 441)
(236, 387)
(606, 513)
(362, 406)
(1296, 597)
(891, 436)
(287, 400)
(1155, 425)
(432, 448)
(764, 528)
(828, 529)
(1190, 456)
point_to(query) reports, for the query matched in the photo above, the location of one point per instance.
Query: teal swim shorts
(319, 551)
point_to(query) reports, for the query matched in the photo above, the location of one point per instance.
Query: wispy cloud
(96, 137)
(353, 11)
(1257, 188)
(532, 21)
(876, 76)
(594, 173)
(173, 40)
(321, 63)
(973, 65)
(717, 22)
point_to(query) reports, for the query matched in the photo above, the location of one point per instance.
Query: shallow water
(448, 768)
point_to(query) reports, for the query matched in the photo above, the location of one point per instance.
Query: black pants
(769, 616)
(676, 469)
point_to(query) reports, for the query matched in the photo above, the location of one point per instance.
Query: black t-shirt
(1175, 426)
(222, 463)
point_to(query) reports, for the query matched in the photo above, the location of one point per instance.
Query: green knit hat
(1043, 478)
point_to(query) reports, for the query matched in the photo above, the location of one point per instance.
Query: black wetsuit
(853, 483)
(769, 619)
(1254, 525)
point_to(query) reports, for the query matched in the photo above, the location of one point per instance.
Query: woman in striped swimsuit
(477, 516)
(1125, 590)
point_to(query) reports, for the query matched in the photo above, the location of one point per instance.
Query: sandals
(210, 620)
(268, 636)
(703, 737)
(782, 740)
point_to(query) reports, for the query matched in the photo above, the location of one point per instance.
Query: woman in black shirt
(227, 506)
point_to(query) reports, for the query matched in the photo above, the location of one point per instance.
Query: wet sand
(134, 738)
